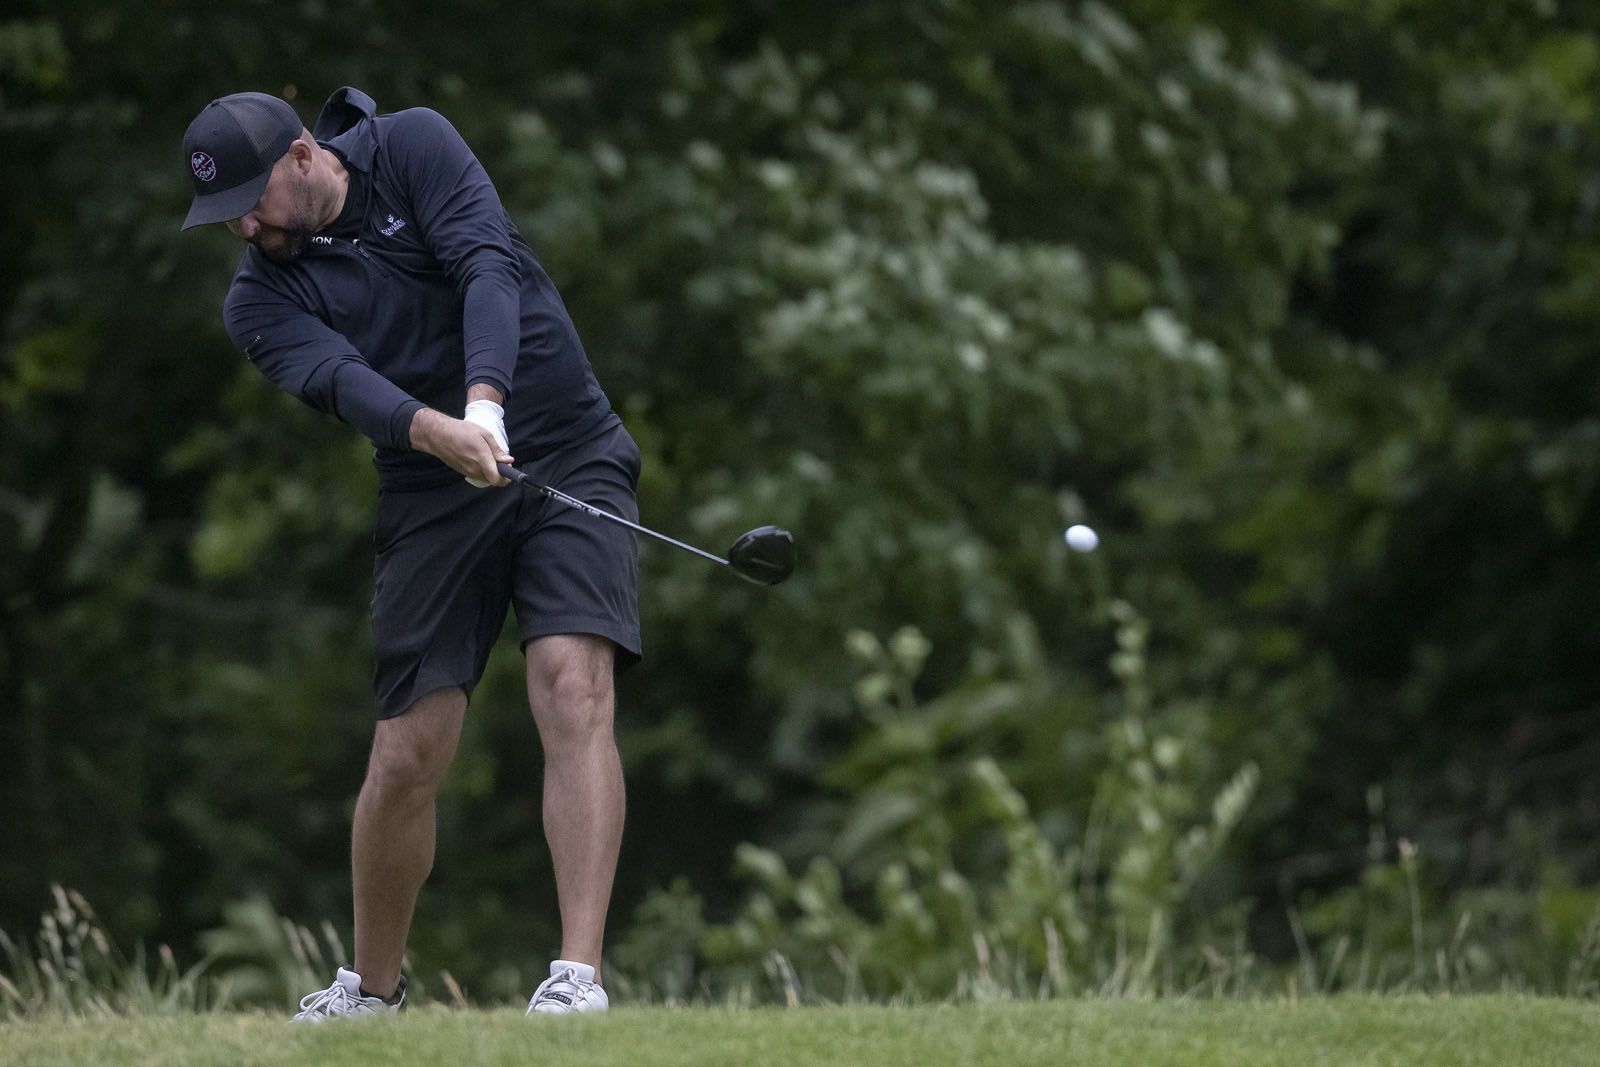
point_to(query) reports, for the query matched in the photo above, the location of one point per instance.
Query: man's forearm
(490, 315)
(425, 424)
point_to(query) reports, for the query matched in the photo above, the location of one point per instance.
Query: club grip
(508, 471)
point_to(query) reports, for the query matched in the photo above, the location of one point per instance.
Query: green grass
(1402, 1031)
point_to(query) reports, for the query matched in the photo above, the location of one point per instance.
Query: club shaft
(581, 505)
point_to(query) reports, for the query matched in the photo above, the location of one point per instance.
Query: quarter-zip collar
(345, 124)
(357, 200)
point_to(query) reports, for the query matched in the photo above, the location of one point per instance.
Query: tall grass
(72, 969)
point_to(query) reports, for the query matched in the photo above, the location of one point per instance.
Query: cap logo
(204, 167)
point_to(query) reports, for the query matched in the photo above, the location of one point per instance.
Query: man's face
(283, 219)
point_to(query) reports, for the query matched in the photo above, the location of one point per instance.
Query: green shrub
(942, 880)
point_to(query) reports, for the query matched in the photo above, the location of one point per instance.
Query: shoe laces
(567, 977)
(335, 1000)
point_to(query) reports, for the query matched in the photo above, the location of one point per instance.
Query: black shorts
(450, 559)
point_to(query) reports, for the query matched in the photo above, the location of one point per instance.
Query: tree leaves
(1295, 308)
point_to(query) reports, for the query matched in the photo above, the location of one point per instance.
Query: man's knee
(412, 751)
(570, 687)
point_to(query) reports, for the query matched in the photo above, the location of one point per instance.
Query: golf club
(764, 556)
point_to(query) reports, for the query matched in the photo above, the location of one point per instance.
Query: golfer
(384, 284)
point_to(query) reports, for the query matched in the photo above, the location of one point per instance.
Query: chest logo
(204, 167)
(394, 227)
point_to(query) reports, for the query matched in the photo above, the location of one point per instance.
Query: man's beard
(291, 240)
(288, 243)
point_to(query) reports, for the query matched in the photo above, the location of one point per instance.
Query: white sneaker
(344, 1000)
(570, 988)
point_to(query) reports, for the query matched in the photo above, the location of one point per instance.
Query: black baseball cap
(231, 148)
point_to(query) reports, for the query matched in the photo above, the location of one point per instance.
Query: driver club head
(764, 555)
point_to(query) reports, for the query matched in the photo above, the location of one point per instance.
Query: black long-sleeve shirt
(420, 289)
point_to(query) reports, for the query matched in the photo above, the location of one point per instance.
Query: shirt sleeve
(463, 223)
(304, 357)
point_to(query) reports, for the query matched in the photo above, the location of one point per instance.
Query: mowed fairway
(1402, 1031)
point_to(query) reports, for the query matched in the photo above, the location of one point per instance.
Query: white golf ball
(1082, 538)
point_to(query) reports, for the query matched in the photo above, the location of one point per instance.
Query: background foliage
(1296, 305)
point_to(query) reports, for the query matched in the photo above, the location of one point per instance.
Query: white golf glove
(490, 416)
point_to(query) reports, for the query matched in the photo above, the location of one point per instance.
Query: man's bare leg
(392, 841)
(571, 694)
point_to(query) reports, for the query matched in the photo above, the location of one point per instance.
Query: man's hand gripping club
(474, 445)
